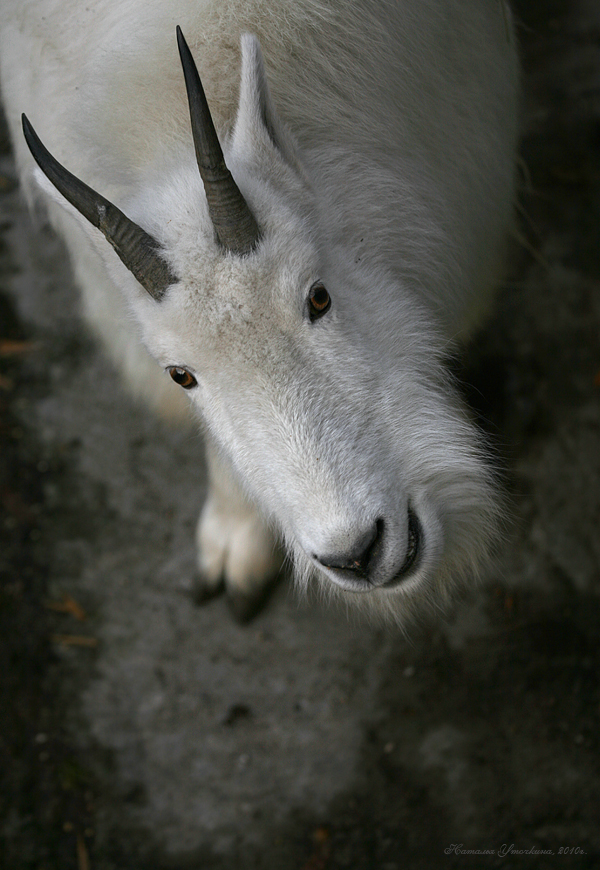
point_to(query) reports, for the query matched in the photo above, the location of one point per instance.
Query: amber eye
(319, 301)
(182, 377)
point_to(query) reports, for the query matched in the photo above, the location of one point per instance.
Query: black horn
(234, 223)
(136, 248)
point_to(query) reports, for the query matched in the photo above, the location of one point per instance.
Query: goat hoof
(244, 606)
(202, 592)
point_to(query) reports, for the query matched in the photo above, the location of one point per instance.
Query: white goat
(306, 306)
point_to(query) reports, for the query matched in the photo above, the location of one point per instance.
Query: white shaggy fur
(380, 160)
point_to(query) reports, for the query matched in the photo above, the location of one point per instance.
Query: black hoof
(202, 593)
(245, 607)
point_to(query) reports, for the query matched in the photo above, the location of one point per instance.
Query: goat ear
(257, 122)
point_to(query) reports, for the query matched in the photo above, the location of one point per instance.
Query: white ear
(257, 123)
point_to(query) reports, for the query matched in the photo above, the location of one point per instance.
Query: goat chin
(305, 299)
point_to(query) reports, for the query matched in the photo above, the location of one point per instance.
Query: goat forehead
(199, 322)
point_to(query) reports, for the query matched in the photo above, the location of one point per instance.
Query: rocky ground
(137, 731)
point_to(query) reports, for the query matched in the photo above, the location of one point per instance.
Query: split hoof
(245, 606)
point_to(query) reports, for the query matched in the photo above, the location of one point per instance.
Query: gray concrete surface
(309, 740)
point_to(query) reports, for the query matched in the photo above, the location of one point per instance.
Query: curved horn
(136, 248)
(234, 223)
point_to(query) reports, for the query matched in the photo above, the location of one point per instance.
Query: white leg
(235, 547)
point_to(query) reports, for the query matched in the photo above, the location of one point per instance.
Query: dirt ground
(138, 731)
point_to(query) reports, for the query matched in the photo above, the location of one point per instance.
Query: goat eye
(182, 377)
(319, 301)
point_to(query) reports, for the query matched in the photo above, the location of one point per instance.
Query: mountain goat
(298, 258)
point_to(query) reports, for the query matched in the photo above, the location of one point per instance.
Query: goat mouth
(413, 551)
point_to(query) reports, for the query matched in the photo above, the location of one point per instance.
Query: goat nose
(356, 559)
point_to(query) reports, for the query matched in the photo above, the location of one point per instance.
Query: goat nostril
(357, 560)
